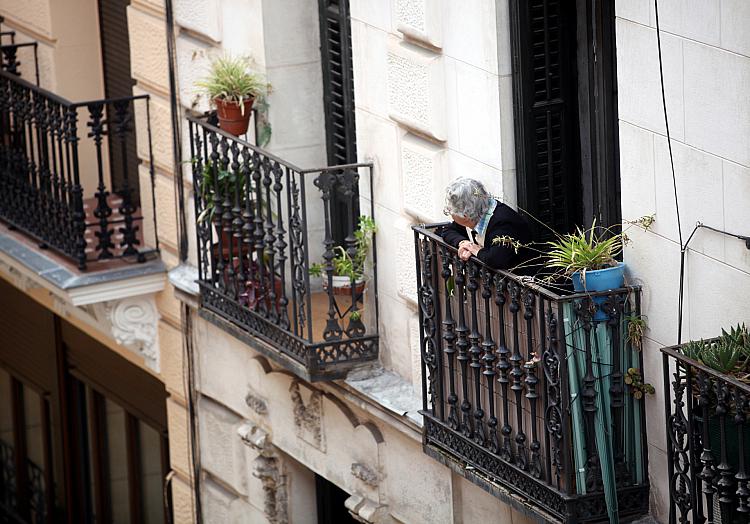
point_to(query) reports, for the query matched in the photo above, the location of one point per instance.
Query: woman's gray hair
(467, 198)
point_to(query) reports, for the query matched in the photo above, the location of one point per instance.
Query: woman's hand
(466, 249)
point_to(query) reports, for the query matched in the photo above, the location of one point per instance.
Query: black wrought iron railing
(708, 442)
(524, 388)
(11, 53)
(84, 204)
(262, 224)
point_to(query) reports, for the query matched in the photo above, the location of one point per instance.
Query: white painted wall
(706, 54)
(433, 98)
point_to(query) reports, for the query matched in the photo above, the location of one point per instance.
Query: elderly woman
(478, 219)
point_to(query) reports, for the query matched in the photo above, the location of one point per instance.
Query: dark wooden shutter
(338, 97)
(27, 339)
(543, 36)
(113, 30)
(338, 82)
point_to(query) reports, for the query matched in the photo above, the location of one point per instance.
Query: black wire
(176, 136)
(681, 294)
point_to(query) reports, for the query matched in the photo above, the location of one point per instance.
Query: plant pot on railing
(596, 280)
(233, 117)
(232, 88)
(348, 267)
(342, 285)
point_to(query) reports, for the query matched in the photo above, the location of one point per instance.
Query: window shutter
(113, 33)
(545, 95)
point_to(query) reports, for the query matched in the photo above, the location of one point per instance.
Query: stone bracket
(134, 323)
(367, 511)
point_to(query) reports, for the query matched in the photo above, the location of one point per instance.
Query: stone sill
(82, 288)
(370, 385)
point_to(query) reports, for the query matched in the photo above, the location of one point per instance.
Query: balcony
(524, 388)
(73, 188)
(708, 440)
(261, 225)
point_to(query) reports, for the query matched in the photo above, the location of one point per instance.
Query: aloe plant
(722, 355)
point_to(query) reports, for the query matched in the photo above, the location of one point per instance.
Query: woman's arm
(454, 234)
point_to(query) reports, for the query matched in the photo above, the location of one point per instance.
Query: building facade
(415, 397)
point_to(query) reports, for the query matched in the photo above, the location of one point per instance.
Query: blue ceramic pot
(600, 280)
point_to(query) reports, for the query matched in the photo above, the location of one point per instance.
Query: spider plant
(230, 80)
(584, 250)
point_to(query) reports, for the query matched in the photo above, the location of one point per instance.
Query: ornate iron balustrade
(260, 222)
(86, 210)
(708, 442)
(524, 388)
(9, 55)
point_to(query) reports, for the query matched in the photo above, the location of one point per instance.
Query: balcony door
(330, 501)
(338, 103)
(565, 106)
(118, 82)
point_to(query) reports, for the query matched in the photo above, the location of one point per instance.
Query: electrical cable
(683, 251)
(176, 136)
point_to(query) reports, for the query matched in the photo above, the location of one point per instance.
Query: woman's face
(463, 221)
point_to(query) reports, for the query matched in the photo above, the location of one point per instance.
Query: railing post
(503, 367)
(102, 211)
(123, 119)
(78, 215)
(325, 181)
(488, 361)
(531, 380)
(517, 375)
(449, 335)
(475, 351)
(462, 331)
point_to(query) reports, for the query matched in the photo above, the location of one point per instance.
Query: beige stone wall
(150, 69)
(323, 429)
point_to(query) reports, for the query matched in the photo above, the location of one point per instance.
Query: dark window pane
(151, 475)
(34, 453)
(117, 457)
(7, 467)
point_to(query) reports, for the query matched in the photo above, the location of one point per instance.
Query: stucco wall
(706, 54)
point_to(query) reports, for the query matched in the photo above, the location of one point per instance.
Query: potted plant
(232, 88)
(729, 354)
(216, 183)
(587, 257)
(349, 269)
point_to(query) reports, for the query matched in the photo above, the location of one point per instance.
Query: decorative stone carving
(256, 403)
(268, 467)
(368, 511)
(420, 20)
(416, 89)
(254, 437)
(406, 277)
(133, 323)
(307, 418)
(365, 474)
(268, 470)
(421, 174)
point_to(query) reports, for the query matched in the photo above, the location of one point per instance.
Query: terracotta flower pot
(232, 117)
(342, 285)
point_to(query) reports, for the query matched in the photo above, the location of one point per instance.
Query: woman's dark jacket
(504, 222)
